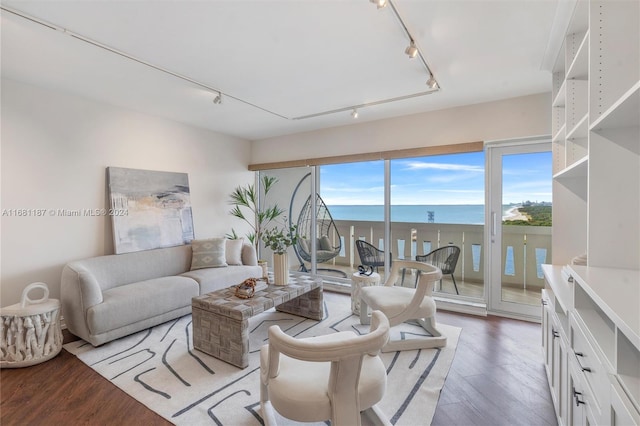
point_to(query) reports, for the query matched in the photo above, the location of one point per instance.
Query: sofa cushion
(216, 278)
(209, 253)
(233, 251)
(325, 243)
(135, 302)
(119, 269)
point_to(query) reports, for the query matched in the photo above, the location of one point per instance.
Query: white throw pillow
(325, 243)
(233, 251)
(209, 253)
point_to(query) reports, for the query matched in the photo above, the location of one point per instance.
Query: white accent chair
(332, 377)
(402, 304)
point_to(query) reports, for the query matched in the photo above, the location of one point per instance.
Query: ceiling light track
(412, 51)
(368, 104)
(82, 38)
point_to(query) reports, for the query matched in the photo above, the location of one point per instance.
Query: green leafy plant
(279, 239)
(246, 206)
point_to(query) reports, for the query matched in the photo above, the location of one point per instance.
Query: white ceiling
(276, 60)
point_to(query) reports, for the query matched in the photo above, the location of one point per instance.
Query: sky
(442, 179)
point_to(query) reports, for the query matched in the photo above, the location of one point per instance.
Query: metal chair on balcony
(445, 258)
(328, 242)
(370, 255)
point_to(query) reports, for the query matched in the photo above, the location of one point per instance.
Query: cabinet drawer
(622, 410)
(593, 368)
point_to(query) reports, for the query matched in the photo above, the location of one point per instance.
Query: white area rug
(160, 368)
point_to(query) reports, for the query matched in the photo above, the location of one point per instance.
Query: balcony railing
(524, 248)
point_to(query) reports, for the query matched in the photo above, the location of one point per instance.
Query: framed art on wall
(149, 209)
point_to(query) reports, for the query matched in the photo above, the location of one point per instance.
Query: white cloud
(418, 165)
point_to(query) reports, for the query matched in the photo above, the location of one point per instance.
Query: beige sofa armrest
(79, 290)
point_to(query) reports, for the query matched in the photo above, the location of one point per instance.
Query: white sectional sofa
(107, 297)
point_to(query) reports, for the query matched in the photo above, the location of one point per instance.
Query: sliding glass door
(520, 206)
(437, 203)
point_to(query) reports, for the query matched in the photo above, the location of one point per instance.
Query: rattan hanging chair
(328, 242)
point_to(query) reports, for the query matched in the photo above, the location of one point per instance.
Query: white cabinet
(591, 344)
(555, 345)
(622, 410)
(596, 196)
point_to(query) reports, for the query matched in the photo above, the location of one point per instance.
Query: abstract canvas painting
(151, 209)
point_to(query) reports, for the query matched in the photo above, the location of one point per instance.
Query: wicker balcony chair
(445, 258)
(370, 255)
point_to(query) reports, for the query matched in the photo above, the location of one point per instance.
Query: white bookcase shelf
(594, 310)
(578, 169)
(623, 113)
(579, 68)
(560, 99)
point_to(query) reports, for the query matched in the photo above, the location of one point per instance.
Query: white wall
(55, 149)
(511, 118)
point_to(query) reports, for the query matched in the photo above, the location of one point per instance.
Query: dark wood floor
(497, 378)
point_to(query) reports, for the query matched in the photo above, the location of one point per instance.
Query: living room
(57, 142)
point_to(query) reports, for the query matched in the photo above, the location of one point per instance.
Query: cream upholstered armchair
(402, 304)
(332, 377)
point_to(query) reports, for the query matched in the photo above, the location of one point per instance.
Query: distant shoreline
(515, 214)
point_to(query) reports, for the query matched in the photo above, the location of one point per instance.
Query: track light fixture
(379, 3)
(411, 50)
(218, 99)
(432, 83)
(354, 113)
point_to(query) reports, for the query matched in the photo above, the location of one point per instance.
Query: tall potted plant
(279, 240)
(246, 206)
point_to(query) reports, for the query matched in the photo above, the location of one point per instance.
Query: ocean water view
(468, 214)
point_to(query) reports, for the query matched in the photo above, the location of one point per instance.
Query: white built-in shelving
(596, 191)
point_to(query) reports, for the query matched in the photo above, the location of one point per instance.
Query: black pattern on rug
(160, 368)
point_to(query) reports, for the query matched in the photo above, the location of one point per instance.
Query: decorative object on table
(30, 331)
(221, 323)
(149, 209)
(265, 270)
(365, 270)
(249, 287)
(281, 268)
(359, 280)
(248, 198)
(328, 241)
(278, 240)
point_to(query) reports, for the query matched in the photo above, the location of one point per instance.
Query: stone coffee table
(221, 320)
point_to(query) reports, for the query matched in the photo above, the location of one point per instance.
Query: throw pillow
(209, 253)
(233, 251)
(304, 244)
(325, 243)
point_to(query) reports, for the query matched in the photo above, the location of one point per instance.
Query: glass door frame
(494, 151)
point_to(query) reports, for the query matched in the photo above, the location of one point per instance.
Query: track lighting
(379, 3)
(432, 83)
(218, 99)
(411, 50)
(354, 113)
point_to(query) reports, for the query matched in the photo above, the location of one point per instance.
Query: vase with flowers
(279, 240)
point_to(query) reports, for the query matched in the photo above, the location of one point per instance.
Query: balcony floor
(510, 292)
